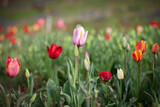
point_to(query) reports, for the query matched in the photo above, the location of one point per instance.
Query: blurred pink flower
(60, 24)
(40, 22)
(13, 40)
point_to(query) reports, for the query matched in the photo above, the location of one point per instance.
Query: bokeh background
(121, 14)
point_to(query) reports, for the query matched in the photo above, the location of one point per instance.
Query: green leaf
(22, 98)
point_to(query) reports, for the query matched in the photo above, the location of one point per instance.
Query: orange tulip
(137, 55)
(2, 38)
(141, 45)
(36, 27)
(155, 48)
(14, 29)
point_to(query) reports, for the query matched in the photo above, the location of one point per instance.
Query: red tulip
(137, 55)
(1, 29)
(107, 37)
(54, 51)
(9, 34)
(12, 66)
(141, 45)
(154, 24)
(13, 40)
(26, 29)
(155, 48)
(105, 76)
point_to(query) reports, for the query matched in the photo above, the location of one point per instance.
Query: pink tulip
(12, 66)
(41, 22)
(60, 24)
(79, 36)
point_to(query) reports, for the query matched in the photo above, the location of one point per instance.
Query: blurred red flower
(107, 36)
(26, 29)
(13, 40)
(154, 24)
(1, 29)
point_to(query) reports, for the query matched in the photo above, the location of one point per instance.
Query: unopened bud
(27, 73)
(33, 98)
(120, 74)
(128, 48)
(124, 43)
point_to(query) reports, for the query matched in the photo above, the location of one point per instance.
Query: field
(80, 63)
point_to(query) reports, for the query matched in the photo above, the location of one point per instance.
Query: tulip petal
(83, 38)
(57, 52)
(76, 36)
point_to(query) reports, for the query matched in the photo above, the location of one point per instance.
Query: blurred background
(99, 14)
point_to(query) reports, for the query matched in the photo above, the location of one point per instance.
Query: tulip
(153, 24)
(105, 76)
(137, 55)
(26, 29)
(60, 24)
(54, 51)
(12, 67)
(141, 45)
(79, 36)
(107, 36)
(128, 47)
(13, 40)
(86, 61)
(40, 22)
(36, 27)
(120, 74)
(124, 43)
(108, 30)
(9, 34)
(1, 29)
(14, 29)
(2, 38)
(155, 48)
(139, 28)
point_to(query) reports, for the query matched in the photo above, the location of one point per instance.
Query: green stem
(88, 99)
(120, 89)
(153, 70)
(137, 80)
(140, 72)
(125, 66)
(10, 91)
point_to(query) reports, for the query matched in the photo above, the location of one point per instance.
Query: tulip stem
(10, 91)
(137, 79)
(76, 69)
(154, 69)
(125, 66)
(120, 89)
(140, 71)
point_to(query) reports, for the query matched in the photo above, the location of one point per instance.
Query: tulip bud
(128, 48)
(155, 48)
(86, 61)
(124, 43)
(76, 52)
(96, 93)
(120, 74)
(33, 98)
(27, 73)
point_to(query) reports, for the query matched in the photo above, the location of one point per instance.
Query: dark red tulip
(154, 24)
(105, 76)
(1, 29)
(54, 51)
(26, 29)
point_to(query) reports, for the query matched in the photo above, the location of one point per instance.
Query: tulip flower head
(155, 48)
(124, 43)
(1, 29)
(14, 29)
(105, 76)
(120, 74)
(107, 36)
(13, 40)
(2, 38)
(141, 45)
(108, 30)
(12, 67)
(54, 51)
(139, 28)
(36, 27)
(60, 24)
(79, 36)
(137, 55)
(26, 29)
(153, 24)
(40, 22)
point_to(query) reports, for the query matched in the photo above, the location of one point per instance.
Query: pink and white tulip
(79, 36)
(12, 66)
